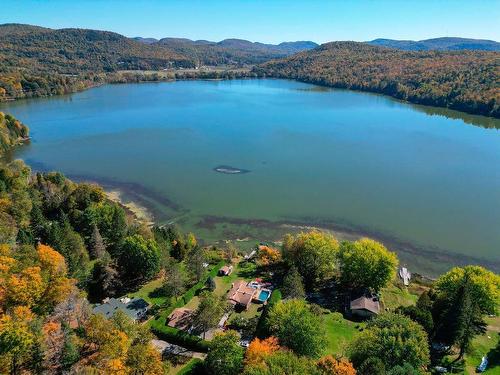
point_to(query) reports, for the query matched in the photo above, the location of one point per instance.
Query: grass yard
(147, 289)
(340, 332)
(185, 368)
(485, 344)
(394, 296)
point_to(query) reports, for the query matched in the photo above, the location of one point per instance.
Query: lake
(253, 159)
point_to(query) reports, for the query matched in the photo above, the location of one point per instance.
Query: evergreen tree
(293, 287)
(96, 246)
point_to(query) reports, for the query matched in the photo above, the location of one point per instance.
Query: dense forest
(463, 80)
(12, 132)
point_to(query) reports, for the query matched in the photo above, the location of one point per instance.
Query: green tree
(209, 312)
(296, 327)
(174, 283)
(195, 263)
(314, 255)
(293, 287)
(393, 338)
(283, 362)
(225, 356)
(140, 258)
(366, 264)
(96, 245)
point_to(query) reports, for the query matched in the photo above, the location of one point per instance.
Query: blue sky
(266, 20)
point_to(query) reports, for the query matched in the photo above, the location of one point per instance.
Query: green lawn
(484, 345)
(146, 290)
(340, 332)
(185, 368)
(394, 296)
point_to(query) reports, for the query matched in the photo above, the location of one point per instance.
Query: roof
(365, 303)
(133, 307)
(241, 293)
(180, 318)
(226, 269)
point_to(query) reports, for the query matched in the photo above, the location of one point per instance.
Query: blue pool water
(264, 295)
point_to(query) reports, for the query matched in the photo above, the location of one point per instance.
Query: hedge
(181, 338)
(262, 331)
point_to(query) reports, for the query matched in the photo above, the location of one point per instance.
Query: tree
(283, 362)
(297, 327)
(268, 256)
(259, 349)
(366, 264)
(393, 338)
(209, 312)
(419, 315)
(195, 263)
(144, 359)
(372, 366)
(332, 366)
(484, 286)
(225, 356)
(210, 284)
(17, 338)
(175, 281)
(313, 254)
(96, 245)
(464, 295)
(105, 279)
(293, 286)
(140, 258)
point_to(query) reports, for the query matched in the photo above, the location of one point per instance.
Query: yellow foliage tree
(268, 256)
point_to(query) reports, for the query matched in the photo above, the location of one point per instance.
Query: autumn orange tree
(329, 365)
(258, 349)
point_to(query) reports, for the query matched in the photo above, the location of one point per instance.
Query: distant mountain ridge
(439, 44)
(229, 51)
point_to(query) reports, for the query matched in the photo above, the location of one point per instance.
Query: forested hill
(12, 132)
(73, 51)
(231, 51)
(440, 44)
(461, 80)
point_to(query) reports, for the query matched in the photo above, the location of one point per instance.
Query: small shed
(365, 307)
(226, 271)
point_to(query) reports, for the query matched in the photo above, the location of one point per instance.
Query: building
(226, 271)
(135, 308)
(180, 318)
(241, 294)
(365, 307)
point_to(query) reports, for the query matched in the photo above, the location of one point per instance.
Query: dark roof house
(135, 308)
(365, 307)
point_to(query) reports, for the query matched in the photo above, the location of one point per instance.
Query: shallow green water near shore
(425, 181)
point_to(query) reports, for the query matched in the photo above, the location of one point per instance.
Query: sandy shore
(140, 212)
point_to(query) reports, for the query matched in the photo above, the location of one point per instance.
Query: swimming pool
(264, 295)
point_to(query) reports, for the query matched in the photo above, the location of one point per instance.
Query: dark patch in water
(226, 169)
(429, 253)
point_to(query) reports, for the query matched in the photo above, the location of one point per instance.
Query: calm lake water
(425, 181)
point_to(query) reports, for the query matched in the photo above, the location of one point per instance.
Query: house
(226, 271)
(241, 294)
(365, 307)
(180, 318)
(135, 308)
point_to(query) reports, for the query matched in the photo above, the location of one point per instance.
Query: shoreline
(134, 209)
